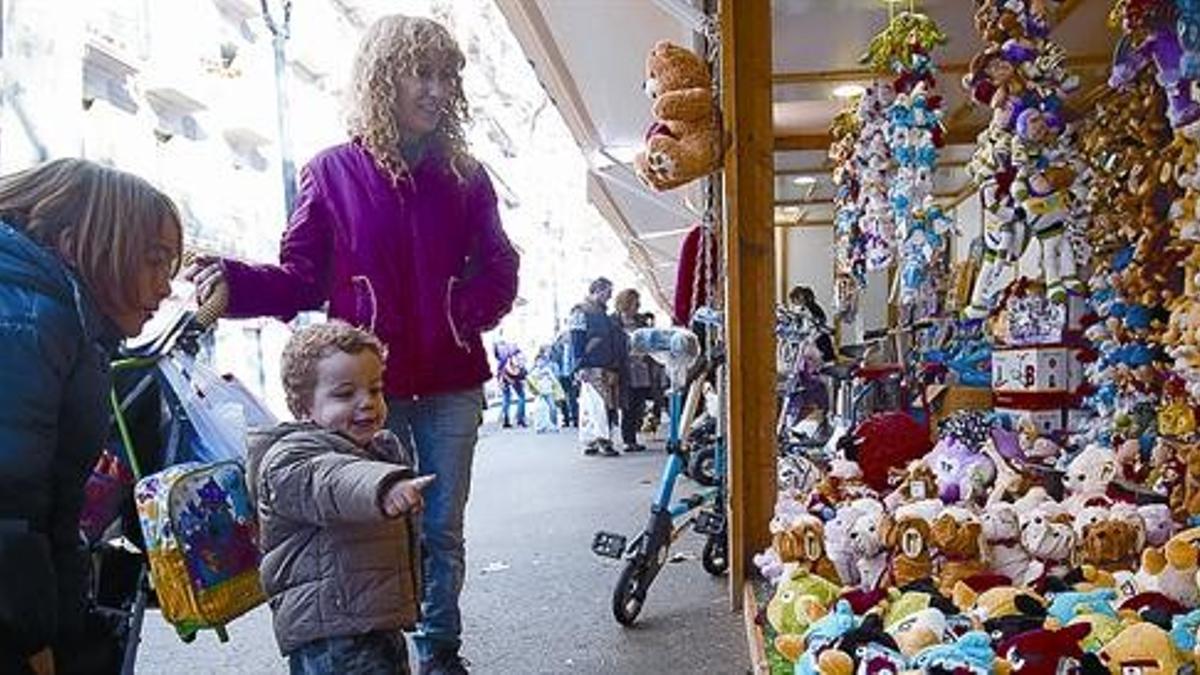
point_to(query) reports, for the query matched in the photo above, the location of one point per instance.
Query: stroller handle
(213, 307)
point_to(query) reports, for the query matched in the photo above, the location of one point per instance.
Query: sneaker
(445, 663)
(635, 447)
(590, 449)
(507, 424)
(608, 449)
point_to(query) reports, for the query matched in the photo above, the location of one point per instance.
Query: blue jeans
(377, 653)
(441, 431)
(510, 391)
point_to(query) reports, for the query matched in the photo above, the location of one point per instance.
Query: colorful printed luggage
(201, 538)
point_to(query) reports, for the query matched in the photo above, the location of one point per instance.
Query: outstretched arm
(301, 279)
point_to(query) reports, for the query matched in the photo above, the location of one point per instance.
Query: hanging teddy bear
(685, 142)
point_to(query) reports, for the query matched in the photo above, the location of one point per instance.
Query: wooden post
(750, 278)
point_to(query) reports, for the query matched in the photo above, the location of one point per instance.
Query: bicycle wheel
(715, 557)
(702, 466)
(630, 593)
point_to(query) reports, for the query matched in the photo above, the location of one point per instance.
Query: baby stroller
(155, 425)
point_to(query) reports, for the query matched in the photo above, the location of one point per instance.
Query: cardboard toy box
(1053, 368)
(1045, 421)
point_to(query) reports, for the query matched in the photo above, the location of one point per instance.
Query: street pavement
(536, 599)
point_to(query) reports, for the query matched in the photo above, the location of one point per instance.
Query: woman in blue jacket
(86, 255)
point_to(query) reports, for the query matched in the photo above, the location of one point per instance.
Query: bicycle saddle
(853, 352)
(839, 371)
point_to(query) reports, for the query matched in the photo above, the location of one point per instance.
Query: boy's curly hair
(311, 344)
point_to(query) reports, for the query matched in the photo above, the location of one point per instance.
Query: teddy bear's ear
(887, 531)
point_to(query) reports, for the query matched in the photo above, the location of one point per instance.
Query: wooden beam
(956, 68)
(749, 285)
(780, 224)
(818, 141)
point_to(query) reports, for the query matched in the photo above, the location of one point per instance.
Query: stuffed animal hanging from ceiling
(684, 142)
(1024, 163)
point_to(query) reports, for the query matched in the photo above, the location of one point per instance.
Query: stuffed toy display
(1060, 532)
(914, 134)
(684, 142)
(1151, 36)
(1025, 160)
(849, 269)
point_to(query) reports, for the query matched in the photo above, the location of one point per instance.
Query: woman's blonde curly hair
(398, 45)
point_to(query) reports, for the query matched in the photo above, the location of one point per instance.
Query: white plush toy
(870, 555)
(1002, 532)
(1089, 473)
(1160, 526)
(837, 536)
(1047, 536)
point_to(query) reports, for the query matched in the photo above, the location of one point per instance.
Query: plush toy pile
(992, 552)
(1129, 142)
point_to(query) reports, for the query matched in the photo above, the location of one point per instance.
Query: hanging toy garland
(849, 258)
(1127, 140)
(1025, 165)
(915, 133)
(873, 161)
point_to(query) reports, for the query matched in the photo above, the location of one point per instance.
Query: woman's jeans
(377, 653)
(510, 391)
(441, 431)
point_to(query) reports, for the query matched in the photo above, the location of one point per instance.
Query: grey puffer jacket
(333, 564)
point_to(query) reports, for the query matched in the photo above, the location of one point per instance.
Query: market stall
(998, 469)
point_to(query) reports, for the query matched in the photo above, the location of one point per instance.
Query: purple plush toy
(963, 472)
(1159, 43)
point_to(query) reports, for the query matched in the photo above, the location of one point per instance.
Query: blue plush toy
(1187, 25)
(822, 634)
(972, 653)
(1067, 606)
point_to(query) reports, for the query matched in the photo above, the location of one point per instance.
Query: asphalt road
(536, 598)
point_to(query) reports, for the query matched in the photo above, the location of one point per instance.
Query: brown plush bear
(1112, 545)
(804, 544)
(958, 535)
(684, 142)
(907, 539)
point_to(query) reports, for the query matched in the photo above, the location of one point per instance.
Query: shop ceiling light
(804, 181)
(849, 90)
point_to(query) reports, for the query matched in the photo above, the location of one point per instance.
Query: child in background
(334, 494)
(543, 383)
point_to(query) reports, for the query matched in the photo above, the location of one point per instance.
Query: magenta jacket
(426, 264)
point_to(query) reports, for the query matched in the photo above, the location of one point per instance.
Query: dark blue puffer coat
(55, 349)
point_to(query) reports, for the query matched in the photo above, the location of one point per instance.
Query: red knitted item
(889, 440)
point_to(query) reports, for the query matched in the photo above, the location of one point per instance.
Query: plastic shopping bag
(593, 414)
(220, 409)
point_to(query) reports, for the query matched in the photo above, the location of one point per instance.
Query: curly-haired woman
(399, 231)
